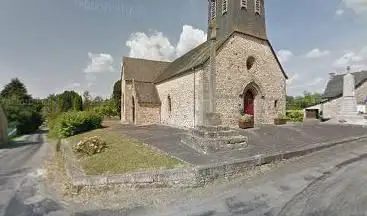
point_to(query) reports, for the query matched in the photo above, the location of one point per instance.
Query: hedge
(72, 123)
(295, 115)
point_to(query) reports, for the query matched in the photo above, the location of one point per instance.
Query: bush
(72, 123)
(90, 145)
(106, 110)
(26, 119)
(295, 115)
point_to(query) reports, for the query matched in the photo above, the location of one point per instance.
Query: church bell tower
(246, 16)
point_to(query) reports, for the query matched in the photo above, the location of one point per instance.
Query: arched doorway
(133, 108)
(248, 102)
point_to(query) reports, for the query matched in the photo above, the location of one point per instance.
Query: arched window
(257, 6)
(224, 6)
(243, 4)
(213, 9)
(169, 102)
(250, 62)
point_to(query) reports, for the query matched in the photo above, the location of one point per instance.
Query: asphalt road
(21, 188)
(330, 182)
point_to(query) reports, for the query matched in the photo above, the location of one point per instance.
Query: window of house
(257, 6)
(213, 9)
(224, 6)
(169, 104)
(243, 3)
(275, 104)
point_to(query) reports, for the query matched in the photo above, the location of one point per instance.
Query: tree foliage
(301, 102)
(15, 90)
(21, 110)
(64, 102)
(116, 96)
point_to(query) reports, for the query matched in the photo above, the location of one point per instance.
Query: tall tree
(116, 96)
(15, 89)
(21, 111)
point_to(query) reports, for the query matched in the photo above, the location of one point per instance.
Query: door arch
(133, 108)
(249, 102)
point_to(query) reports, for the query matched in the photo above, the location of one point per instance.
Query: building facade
(249, 77)
(333, 94)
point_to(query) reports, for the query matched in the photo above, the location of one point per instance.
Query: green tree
(15, 89)
(116, 96)
(21, 110)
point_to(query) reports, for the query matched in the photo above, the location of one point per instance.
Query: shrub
(90, 145)
(281, 116)
(295, 115)
(72, 123)
(106, 110)
(246, 118)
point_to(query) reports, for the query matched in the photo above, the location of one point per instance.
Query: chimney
(332, 75)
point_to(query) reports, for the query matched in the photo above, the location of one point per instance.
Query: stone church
(248, 75)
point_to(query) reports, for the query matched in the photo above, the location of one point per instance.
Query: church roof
(188, 61)
(142, 69)
(334, 88)
(147, 93)
(197, 57)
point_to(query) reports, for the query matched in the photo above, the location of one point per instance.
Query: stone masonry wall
(332, 108)
(233, 77)
(128, 94)
(181, 91)
(147, 114)
(3, 127)
(361, 93)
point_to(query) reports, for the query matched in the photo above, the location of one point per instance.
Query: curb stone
(187, 176)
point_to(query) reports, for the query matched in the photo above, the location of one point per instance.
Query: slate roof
(188, 61)
(147, 93)
(142, 69)
(334, 88)
(197, 57)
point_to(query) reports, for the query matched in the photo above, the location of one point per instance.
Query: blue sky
(78, 44)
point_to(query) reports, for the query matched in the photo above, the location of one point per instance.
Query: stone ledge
(186, 177)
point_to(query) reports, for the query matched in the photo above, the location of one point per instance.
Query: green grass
(122, 155)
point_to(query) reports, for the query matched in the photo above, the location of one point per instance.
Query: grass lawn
(122, 155)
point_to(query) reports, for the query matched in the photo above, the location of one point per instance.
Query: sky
(57, 45)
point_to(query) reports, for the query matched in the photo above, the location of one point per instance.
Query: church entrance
(248, 102)
(133, 108)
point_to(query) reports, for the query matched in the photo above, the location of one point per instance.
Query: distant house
(333, 94)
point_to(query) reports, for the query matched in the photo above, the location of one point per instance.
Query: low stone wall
(189, 176)
(3, 127)
(180, 177)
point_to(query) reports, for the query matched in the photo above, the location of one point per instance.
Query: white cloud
(356, 60)
(311, 83)
(317, 53)
(157, 46)
(100, 63)
(339, 12)
(358, 6)
(284, 55)
(189, 39)
(292, 78)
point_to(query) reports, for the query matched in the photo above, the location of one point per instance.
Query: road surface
(330, 182)
(21, 189)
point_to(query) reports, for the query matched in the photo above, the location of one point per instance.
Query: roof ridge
(126, 57)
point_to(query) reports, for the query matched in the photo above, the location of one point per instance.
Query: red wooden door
(248, 102)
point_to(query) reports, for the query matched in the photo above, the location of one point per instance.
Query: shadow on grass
(20, 143)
